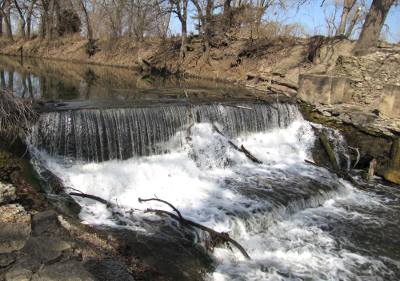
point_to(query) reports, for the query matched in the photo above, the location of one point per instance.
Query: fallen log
(217, 238)
(241, 149)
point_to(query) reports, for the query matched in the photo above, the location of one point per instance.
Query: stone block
(390, 101)
(324, 89)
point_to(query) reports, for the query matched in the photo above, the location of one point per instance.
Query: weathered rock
(15, 228)
(64, 204)
(7, 193)
(45, 249)
(44, 222)
(68, 271)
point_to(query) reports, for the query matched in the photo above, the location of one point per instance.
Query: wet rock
(68, 271)
(108, 270)
(15, 228)
(64, 204)
(7, 193)
(45, 249)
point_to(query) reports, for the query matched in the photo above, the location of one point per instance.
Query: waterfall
(100, 135)
(297, 221)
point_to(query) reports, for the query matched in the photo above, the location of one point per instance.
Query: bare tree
(180, 8)
(347, 6)
(21, 12)
(29, 16)
(5, 13)
(373, 24)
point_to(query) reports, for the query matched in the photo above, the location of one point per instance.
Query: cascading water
(99, 135)
(297, 221)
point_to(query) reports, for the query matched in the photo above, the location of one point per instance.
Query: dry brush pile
(16, 115)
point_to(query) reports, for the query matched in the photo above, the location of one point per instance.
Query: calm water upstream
(297, 221)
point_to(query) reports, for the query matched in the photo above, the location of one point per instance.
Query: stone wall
(324, 89)
(369, 74)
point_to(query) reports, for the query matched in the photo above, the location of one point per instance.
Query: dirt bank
(267, 64)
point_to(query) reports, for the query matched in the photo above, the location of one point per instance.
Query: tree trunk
(227, 15)
(21, 21)
(7, 19)
(184, 30)
(87, 19)
(353, 23)
(29, 19)
(21, 28)
(373, 24)
(208, 29)
(347, 6)
(44, 18)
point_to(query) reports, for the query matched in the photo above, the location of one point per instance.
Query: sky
(312, 17)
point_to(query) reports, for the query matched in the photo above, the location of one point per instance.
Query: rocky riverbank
(360, 95)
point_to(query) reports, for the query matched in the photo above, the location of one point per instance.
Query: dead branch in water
(217, 238)
(162, 201)
(241, 149)
(93, 197)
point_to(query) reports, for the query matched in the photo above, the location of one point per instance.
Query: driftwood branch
(93, 197)
(241, 149)
(165, 202)
(216, 237)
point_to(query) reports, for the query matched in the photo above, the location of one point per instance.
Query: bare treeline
(140, 19)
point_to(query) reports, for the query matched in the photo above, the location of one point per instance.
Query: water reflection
(50, 80)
